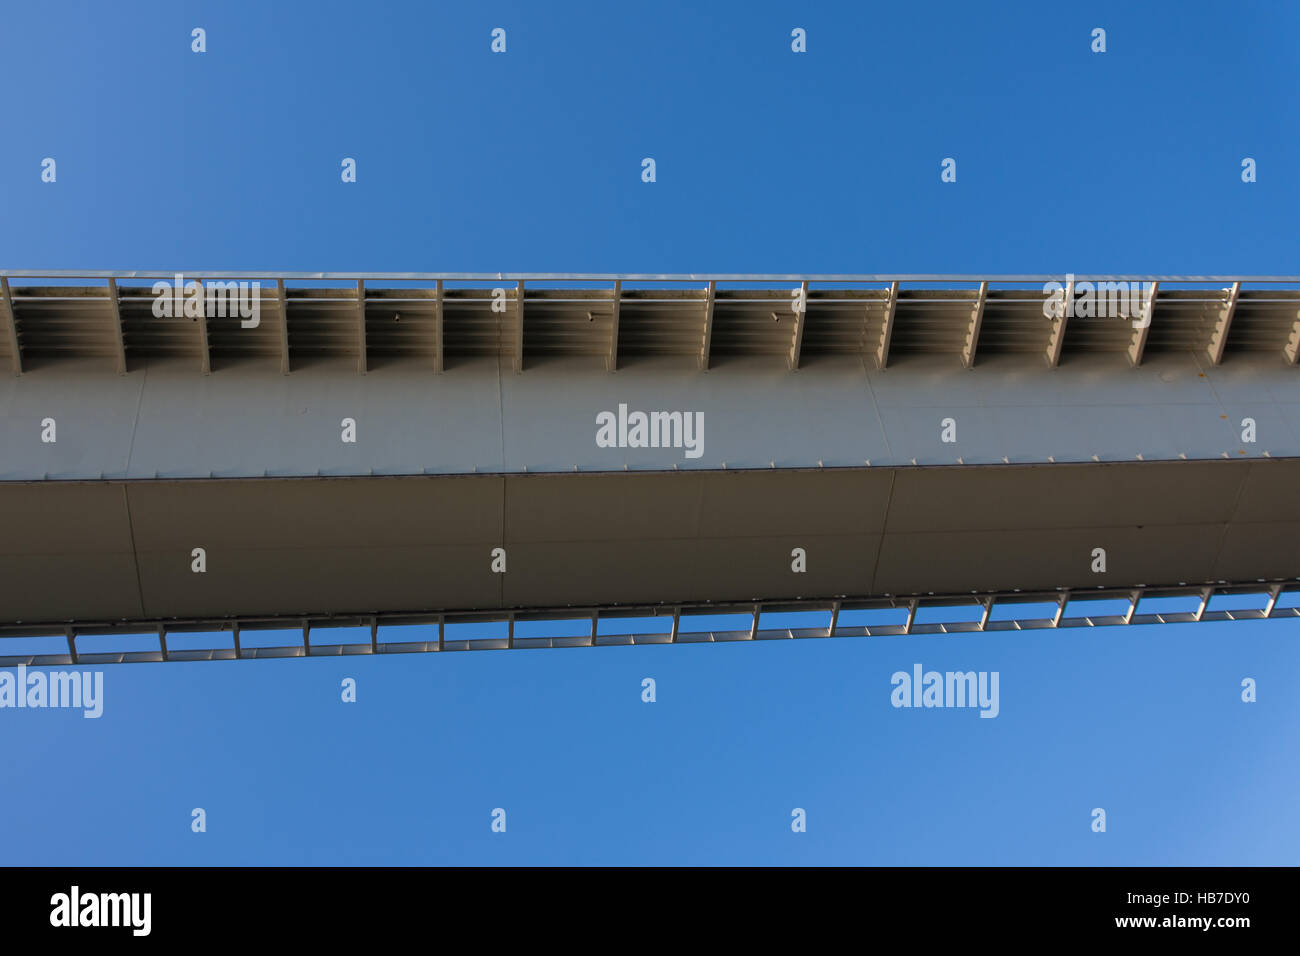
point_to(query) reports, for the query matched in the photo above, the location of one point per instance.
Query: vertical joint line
(205, 351)
(611, 360)
(437, 328)
(361, 326)
(282, 302)
(119, 343)
(519, 328)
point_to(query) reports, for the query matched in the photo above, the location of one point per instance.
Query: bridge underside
(356, 454)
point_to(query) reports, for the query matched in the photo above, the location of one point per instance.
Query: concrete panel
(1019, 380)
(1043, 560)
(93, 409)
(1249, 552)
(64, 518)
(330, 580)
(1268, 377)
(312, 514)
(918, 431)
(246, 423)
(287, 546)
(1273, 428)
(370, 545)
(796, 503)
(166, 420)
(1066, 496)
(1269, 492)
(690, 569)
(754, 414)
(66, 552)
(592, 508)
(66, 587)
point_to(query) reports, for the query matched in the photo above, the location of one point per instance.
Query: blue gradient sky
(767, 161)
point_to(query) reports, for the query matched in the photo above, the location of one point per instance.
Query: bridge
(293, 452)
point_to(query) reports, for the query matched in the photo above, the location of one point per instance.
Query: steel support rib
(119, 343)
(1133, 606)
(1292, 349)
(800, 319)
(1138, 343)
(11, 326)
(1061, 604)
(1219, 338)
(887, 327)
(973, 330)
(1273, 594)
(708, 325)
(1056, 343)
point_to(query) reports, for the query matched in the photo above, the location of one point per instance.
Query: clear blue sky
(767, 161)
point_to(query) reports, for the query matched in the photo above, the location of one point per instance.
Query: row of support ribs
(1069, 610)
(880, 316)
